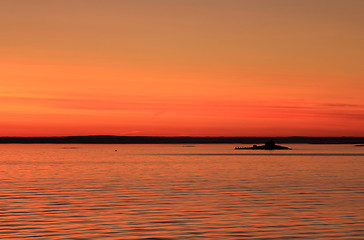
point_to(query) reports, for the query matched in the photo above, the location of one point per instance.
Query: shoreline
(102, 139)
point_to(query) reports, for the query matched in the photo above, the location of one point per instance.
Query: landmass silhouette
(271, 145)
(111, 139)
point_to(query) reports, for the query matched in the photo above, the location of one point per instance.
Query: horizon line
(185, 136)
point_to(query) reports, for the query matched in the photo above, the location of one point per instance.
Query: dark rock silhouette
(110, 139)
(359, 145)
(267, 146)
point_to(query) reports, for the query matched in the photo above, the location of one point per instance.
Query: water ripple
(89, 193)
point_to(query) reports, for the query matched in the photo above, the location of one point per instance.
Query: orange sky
(182, 67)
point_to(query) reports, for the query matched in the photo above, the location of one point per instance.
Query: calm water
(181, 192)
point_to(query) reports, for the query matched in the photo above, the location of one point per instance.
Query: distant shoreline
(102, 139)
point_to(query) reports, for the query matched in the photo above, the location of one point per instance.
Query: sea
(181, 191)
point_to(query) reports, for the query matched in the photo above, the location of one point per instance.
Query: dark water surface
(181, 192)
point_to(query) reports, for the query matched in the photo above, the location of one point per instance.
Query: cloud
(191, 107)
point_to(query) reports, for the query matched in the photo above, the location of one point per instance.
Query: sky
(182, 67)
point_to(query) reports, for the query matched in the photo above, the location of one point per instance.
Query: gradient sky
(182, 67)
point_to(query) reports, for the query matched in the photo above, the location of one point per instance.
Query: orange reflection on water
(145, 191)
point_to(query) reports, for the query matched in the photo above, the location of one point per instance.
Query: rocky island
(267, 146)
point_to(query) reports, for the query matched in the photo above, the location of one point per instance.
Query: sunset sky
(182, 67)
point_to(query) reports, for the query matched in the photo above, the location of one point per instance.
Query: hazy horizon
(202, 136)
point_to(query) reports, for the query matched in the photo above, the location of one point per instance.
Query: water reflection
(150, 192)
(258, 154)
